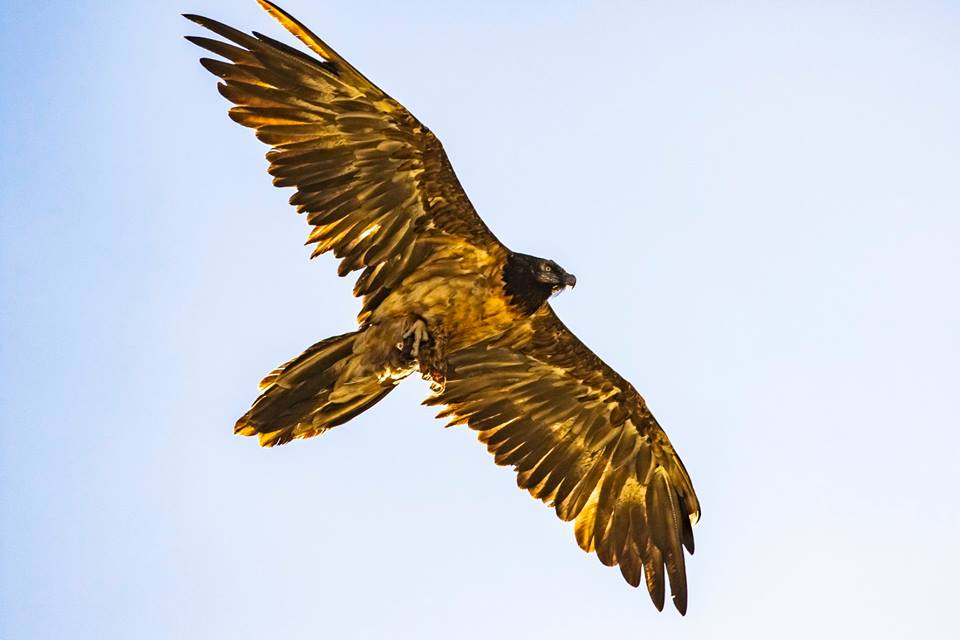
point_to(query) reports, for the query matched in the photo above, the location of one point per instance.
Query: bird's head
(550, 273)
(530, 281)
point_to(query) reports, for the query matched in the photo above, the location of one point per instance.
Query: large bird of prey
(442, 296)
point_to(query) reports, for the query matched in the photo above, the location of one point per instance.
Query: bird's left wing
(374, 183)
(582, 439)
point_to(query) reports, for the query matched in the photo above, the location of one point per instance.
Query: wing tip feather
(680, 602)
(299, 30)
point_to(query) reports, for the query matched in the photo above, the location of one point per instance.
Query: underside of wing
(582, 439)
(374, 183)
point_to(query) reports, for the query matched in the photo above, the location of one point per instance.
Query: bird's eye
(547, 268)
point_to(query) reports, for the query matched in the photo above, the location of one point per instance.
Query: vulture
(443, 297)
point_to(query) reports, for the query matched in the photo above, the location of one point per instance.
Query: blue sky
(761, 202)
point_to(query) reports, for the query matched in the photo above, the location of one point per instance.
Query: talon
(436, 372)
(415, 337)
(438, 382)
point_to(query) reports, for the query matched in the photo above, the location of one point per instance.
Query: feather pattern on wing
(582, 439)
(374, 183)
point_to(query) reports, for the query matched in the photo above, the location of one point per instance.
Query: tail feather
(312, 393)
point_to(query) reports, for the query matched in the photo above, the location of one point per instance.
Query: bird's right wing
(582, 439)
(374, 182)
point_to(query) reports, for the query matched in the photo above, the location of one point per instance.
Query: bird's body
(460, 290)
(443, 296)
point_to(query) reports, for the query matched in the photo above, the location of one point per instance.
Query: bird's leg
(414, 338)
(433, 360)
(427, 346)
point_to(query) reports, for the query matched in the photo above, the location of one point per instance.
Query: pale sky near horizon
(761, 202)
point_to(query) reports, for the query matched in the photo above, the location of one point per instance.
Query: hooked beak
(569, 280)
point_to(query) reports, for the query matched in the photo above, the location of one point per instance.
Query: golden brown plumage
(375, 183)
(582, 439)
(441, 294)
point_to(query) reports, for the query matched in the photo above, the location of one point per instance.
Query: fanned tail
(321, 388)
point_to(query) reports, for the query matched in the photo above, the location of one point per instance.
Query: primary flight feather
(442, 296)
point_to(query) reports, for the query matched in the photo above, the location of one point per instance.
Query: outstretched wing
(374, 182)
(581, 438)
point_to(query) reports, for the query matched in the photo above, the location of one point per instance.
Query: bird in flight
(443, 297)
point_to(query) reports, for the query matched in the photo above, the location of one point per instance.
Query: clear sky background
(761, 202)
